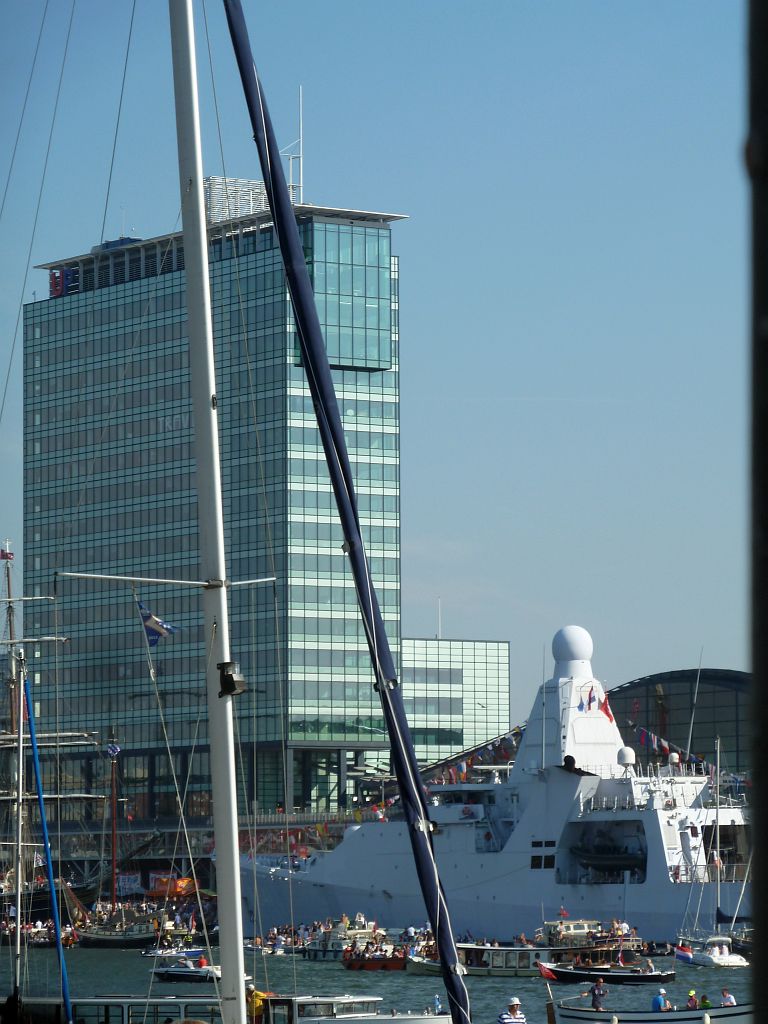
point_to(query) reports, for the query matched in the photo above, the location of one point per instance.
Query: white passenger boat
(623, 840)
(279, 1009)
(331, 943)
(557, 943)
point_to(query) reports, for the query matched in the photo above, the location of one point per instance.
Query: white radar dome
(572, 643)
(625, 757)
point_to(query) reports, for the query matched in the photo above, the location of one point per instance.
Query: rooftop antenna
(301, 144)
(295, 151)
(693, 708)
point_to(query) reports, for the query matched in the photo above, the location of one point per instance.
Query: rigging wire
(117, 119)
(174, 777)
(23, 110)
(38, 204)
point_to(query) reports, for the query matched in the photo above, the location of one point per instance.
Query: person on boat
(660, 1003)
(648, 967)
(513, 1014)
(569, 765)
(728, 999)
(202, 960)
(705, 1002)
(693, 1002)
(598, 992)
(254, 1004)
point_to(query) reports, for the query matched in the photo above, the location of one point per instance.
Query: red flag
(7, 555)
(605, 707)
(545, 972)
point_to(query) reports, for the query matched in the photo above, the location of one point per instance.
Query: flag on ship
(684, 953)
(605, 707)
(154, 627)
(545, 972)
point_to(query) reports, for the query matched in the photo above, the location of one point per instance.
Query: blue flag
(154, 627)
(113, 750)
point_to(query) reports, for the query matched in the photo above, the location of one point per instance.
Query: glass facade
(456, 694)
(110, 488)
(675, 705)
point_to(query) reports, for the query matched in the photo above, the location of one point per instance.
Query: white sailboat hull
(716, 1015)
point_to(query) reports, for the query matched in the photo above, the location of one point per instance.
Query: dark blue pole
(317, 368)
(47, 847)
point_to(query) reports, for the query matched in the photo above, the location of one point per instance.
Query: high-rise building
(110, 489)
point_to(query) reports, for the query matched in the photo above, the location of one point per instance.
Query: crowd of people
(286, 937)
(174, 922)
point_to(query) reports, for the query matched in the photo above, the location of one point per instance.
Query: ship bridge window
(354, 1009)
(315, 1010)
(535, 863)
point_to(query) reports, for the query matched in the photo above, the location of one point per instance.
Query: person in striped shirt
(513, 1014)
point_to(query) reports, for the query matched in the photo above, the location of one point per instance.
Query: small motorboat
(715, 951)
(612, 974)
(186, 969)
(174, 951)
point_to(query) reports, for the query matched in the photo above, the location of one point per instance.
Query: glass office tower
(110, 489)
(456, 693)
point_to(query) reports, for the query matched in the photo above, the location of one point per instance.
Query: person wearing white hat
(660, 1003)
(254, 1004)
(513, 1014)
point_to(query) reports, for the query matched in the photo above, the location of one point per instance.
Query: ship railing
(699, 873)
(596, 805)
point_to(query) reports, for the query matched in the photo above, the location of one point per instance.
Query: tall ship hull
(576, 826)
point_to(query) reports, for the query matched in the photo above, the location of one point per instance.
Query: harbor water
(101, 972)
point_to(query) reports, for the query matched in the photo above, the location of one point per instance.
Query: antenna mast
(301, 144)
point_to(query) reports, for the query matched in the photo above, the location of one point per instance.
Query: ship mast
(221, 675)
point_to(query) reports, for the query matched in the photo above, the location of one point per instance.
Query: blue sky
(574, 280)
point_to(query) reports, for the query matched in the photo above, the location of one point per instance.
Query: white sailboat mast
(211, 527)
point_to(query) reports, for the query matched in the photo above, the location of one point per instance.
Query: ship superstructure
(575, 824)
